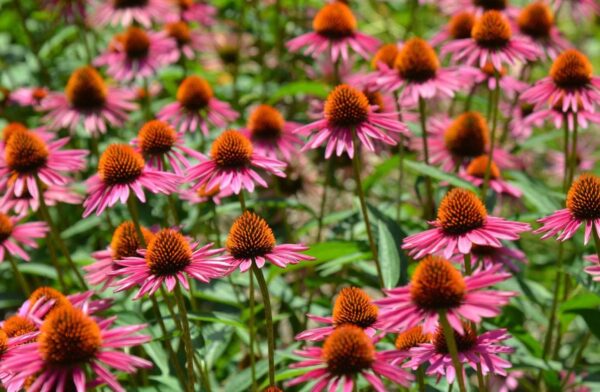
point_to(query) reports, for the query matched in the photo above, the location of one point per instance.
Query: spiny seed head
(12, 128)
(86, 89)
(194, 93)
(136, 43)
(231, 149)
(249, 237)
(417, 61)
(156, 137)
(17, 326)
(437, 285)
(386, 55)
(464, 342)
(180, 32)
(346, 107)
(69, 337)
(354, 306)
(460, 212)
(411, 338)
(491, 71)
(478, 166)
(498, 5)
(25, 152)
(266, 123)
(375, 99)
(536, 20)
(467, 136)
(571, 70)
(348, 351)
(3, 342)
(129, 3)
(492, 30)
(461, 24)
(125, 241)
(49, 294)
(120, 164)
(6, 227)
(168, 253)
(583, 199)
(335, 21)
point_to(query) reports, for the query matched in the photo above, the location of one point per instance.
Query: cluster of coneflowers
(189, 148)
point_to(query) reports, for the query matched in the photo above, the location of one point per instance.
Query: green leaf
(317, 89)
(433, 172)
(389, 257)
(591, 318)
(38, 269)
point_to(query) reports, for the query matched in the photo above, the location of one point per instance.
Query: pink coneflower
(347, 354)
(251, 240)
(125, 243)
(28, 158)
(520, 128)
(196, 107)
(127, 12)
(459, 27)
(489, 256)
(556, 116)
(571, 84)
(594, 269)
(70, 347)
(474, 350)
(334, 32)
(122, 170)
(161, 144)
(583, 208)
(202, 195)
(438, 286)
(462, 221)
(29, 96)
(536, 21)
(13, 234)
(270, 134)
(43, 301)
(232, 165)
(352, 307)
(169, 258)
(580, 9)
(89, 102)
(475, 174)
(381, 62)
(138, 54)
(347, 114)
(193, 11)
(478, 7)
(492, 40)
(489, 76)
(417, 73)
(23, 204)
(507, 383)
(189, 41)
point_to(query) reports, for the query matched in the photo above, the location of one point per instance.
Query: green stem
(187, 337)
(401, 159)
(242, 201)
(578, 357)
(451, 343)
(167, 339)
(467, 261)
(56, 234)
(429, 207)
(20, 278)
(328, 177)
(567, 159)
(363, 206)
(264, 290)
(573, 158)
(135, 217)
(54, 261)
(480, 380)
(421, 378)
(596, 243)
(555, 300)
(251, 330)
(146, 102)
(496, 102)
